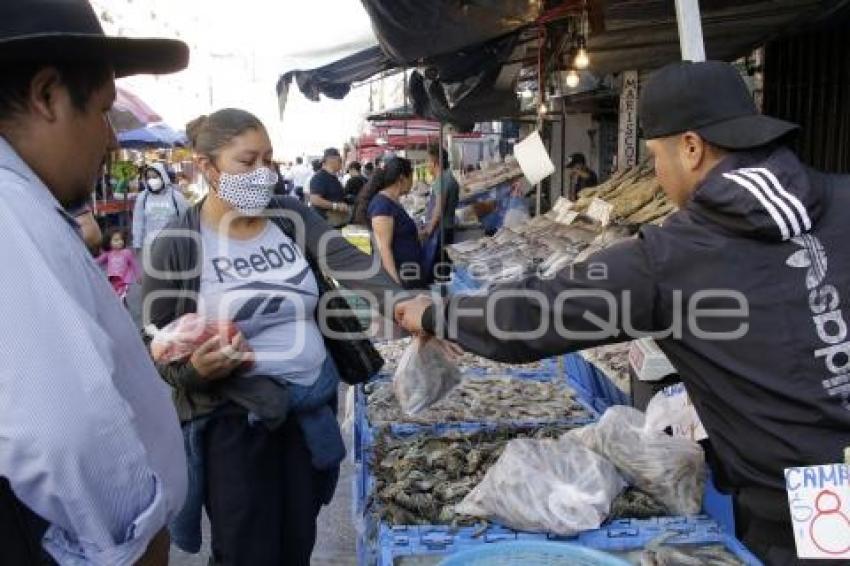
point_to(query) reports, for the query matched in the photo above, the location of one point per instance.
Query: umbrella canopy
(129, 112)
(155, 135)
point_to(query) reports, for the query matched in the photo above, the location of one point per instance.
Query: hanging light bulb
(572, 78)
(582, 60)
(542, 109)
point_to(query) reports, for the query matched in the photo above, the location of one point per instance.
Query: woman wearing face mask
(396, 235)
(156, 205)
(262, 441)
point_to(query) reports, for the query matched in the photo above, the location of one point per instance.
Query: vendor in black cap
(745, 288)
(91, 454)
(326, 192)
(581, 176)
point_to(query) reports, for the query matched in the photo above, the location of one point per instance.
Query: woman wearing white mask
(158, 203)
(262, 440)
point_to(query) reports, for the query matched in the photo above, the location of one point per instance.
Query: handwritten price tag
(819, 499)
(600, 211)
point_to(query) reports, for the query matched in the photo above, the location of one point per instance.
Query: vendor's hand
(408, 314)
(214, 360)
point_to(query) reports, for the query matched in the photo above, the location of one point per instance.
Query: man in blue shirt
(326, 193)
(91, 455)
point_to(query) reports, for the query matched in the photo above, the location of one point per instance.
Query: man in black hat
(581, 176)
(744, 288)
(91, 454)
(326, 192)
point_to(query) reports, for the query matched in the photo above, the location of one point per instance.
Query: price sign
(600, 211)
(819, 499)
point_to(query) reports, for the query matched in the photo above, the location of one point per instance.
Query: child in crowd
(122, 269)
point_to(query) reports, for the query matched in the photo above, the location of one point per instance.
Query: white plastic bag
(555, 486)
(672, 470)
(424, 375)
(671, 408)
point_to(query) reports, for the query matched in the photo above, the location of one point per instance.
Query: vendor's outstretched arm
(588, 304)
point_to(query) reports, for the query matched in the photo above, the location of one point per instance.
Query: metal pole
(690, 30)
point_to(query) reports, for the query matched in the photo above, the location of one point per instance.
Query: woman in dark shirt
(396, 234)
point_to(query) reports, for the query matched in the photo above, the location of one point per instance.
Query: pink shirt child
(122, 269)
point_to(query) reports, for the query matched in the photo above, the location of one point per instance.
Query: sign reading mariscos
(627, 146)
(819, 499)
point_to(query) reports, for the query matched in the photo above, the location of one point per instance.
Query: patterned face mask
(249, 193)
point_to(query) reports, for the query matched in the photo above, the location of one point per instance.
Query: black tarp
(334, 80)
(411, 30)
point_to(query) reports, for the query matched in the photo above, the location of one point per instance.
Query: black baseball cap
(711, 99)
(576, 159)
(69, 31)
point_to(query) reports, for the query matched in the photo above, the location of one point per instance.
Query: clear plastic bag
(424, 375)
(556, 486)
(672, 470)
(176, 341)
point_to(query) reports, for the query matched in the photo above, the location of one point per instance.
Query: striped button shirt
(89, 439)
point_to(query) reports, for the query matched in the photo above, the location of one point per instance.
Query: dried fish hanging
(565, 235)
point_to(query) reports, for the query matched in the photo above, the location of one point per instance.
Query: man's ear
(46, 91)
(693, 150)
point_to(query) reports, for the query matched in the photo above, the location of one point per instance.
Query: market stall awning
(153, 136)
(643, 34)
(469, 54)
(130, 112)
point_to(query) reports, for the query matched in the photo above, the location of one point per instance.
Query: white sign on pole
(819, 499)
(627, 140)
(533, 158)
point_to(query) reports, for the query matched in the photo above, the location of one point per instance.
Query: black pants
(21, 531)
(763, 522)
(262, 494)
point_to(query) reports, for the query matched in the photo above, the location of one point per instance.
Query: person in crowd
(156, 205)
(368, 170)
(326, 193)
(367, 192)
(301, 174)
(758, 232)
(122, 269)
(581, 176)
(379, 163)
(268, 463)
(445, 193)
(439, 227)
(355, 181)
(280, 187)
(91, 460)
(396, 235)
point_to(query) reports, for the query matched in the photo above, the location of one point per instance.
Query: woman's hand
(216, 359)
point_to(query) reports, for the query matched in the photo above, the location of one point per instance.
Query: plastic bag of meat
(554, 486)
(176, 341)
(670, 469)
(424, 375)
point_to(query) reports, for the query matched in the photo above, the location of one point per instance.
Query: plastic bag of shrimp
(425, 374)
(670, 469)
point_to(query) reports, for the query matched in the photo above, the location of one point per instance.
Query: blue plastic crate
(718, 506)
(597, 387)
(628, 535)
(621, 536)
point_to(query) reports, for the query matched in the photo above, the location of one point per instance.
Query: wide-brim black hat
(58, 31)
